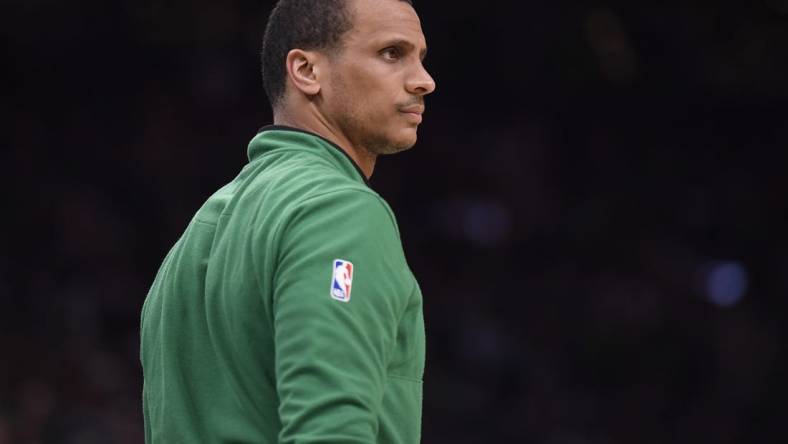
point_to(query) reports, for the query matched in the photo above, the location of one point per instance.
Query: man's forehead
(386, 20)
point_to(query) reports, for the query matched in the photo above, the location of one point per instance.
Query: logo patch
(342, 280)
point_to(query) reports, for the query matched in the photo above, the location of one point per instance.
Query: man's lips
(413, 112)
(413, 109)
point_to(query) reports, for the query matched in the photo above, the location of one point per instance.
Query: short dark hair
(303, 24)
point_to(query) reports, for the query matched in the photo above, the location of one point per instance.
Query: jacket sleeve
(331, 355)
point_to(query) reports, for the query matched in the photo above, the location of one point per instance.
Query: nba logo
(342, 281)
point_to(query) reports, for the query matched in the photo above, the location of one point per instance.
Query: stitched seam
(204, 223)
(406, 378)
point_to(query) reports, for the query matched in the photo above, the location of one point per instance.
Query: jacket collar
(271, 137)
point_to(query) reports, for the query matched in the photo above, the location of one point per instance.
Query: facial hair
(355, 124)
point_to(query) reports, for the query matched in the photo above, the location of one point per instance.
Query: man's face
(377, 83)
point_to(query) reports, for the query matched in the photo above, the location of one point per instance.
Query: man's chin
(403, 145)
(402, 142)
(408, 138)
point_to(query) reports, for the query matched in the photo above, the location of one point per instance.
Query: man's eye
(391, 53)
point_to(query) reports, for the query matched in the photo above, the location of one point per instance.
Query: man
(286, 312)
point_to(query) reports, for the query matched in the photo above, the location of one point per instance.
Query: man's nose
(421, 82)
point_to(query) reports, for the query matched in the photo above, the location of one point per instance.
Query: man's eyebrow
(408, 45)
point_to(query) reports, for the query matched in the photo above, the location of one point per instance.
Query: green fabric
(241, 341)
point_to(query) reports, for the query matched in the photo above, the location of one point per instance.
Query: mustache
(416, 101)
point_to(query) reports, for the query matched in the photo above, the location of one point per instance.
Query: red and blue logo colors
(342, 280)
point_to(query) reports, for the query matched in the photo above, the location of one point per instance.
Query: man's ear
(303, 72)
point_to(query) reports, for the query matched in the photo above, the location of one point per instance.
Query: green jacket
(286, 312)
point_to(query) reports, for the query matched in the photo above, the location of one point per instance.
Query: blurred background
(595, 210)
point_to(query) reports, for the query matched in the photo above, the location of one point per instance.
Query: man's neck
(363, 158)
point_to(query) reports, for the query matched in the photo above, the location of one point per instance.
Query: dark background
(595, 210)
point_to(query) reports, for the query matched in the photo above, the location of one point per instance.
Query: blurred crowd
(595, 211)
